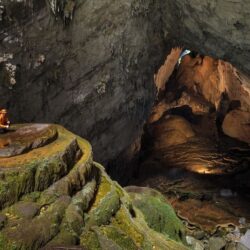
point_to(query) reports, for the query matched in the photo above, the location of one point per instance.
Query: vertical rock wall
(94, 74)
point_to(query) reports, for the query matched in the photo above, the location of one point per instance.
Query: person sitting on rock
(4, 121)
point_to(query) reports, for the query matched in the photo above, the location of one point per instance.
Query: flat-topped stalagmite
(25, 137)
(53, 195)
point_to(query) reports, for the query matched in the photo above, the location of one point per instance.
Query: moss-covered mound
(159, 215)
(56, 196)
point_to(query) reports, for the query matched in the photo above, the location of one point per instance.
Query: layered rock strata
(56, 196)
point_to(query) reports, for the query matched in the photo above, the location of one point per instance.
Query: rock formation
(216, 28)
(95, 74)
(237, 125)
(202, 120)
(211, 84)
(195, 150)
(54, 195)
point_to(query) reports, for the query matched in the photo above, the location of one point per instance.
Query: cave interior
(195, 147)
(170, 125)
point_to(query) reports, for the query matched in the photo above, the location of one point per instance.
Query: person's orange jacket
(4, 121)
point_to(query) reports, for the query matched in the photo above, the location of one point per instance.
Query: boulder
(237, 125)
(172, 130)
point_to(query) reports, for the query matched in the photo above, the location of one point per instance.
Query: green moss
(103, 189)
(48, 172)
(79, 203)
(35, 176)
(90, 240)
(107, 207)
(119, 237)
(119, 189)
(15, 184)
(32, 234)
(5, 244)
(64, 238)
(123, 221)
(159, 215)
(33, 197)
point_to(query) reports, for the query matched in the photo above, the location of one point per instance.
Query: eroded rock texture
(195, 149)
(56, 196)
(94, 75)
(216, 28)
(93, 71)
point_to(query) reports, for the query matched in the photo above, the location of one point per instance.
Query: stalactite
(167, 69)
(63, 8)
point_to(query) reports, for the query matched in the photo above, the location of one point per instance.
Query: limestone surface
(55, 196)
(20, 139)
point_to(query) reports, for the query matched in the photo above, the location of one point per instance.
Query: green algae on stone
(108, 207)
(14, 184)
(159, 216)
(75, 203)
(32, 197)
(33, 234)
(90, 240)
(106, 203)
(36, 174)
(123, 221)
(119, 237)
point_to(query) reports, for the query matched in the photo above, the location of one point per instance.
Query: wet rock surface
(21, 139)
(56, 197)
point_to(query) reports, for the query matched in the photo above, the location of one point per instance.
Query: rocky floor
(203, 174)
(207, 209)
(54, 196)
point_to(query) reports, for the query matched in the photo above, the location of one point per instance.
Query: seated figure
(4, 121)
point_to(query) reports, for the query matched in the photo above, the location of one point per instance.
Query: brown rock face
(175, 130)
(204, 100)
(237, 125)
(20, 139)
(210, 82)
(211, 78)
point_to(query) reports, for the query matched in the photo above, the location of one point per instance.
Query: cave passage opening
(195, 148)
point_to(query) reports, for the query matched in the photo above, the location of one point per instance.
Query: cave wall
(95, 75)
(217, 83)
(219, 28)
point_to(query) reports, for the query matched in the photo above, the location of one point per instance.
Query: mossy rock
(159, 215)
(123, 240)
(106, 204)
(56, 196)
(90, 240)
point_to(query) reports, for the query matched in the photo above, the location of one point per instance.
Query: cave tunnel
(161, 92)
(195, 147)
